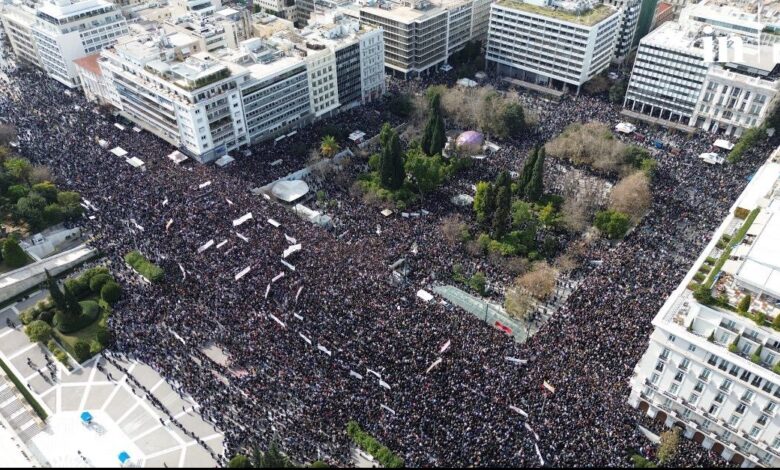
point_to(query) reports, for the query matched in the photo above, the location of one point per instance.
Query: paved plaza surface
(123, 419)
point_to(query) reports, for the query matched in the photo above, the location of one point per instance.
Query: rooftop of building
(60, 9)
(581, 12)
(408, 12)
(741, 260)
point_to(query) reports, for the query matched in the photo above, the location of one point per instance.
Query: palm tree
(329, 146)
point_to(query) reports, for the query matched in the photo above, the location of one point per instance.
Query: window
(691, 348)
(748, 396)
(699, 387)
(754, 432)
(720, 397)
(776, 443)
(654, 378)
(659, 366)
(740, 409)
(745, 376)
(665, 354)
(693, 399)
(684, 364)
(674, 388)
(705, 374)
(713, 410)
(756, 382)
(678, 376)
(734, 421)
(770, 407)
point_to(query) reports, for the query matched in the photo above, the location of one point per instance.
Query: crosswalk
(13, 409)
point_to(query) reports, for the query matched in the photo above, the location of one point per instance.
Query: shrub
(62, 356)
(710, 260)
(612, 224)
(699, 277)
(703, 295)
(78, 286)
(95, 347)
(369, 444)
(741, 213)
(319, 464)
(744, 304)
(144, 267)
(756, 356)
(97, 282)
(38, 331)
(102, 335)
(111, 292)
(52, 345)
(641, 462)
(81, 350)
(28, 315)
(478, 282)
(90, 310)
(239, 461)
(47, 316)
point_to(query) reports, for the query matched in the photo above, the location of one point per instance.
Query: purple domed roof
(470, 139)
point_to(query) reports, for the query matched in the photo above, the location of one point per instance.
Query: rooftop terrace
(586, 18)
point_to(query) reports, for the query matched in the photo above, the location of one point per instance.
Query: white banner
(352, 373)
(165, 202)
(529, 429)
(289, 266)
(242, 237)
(267, 290)
(374, 372)
(445, 347)
(304, 338)
(518, 411)
(323, 349)
(277, 320)
(243, 273)
(384, 384)
(290, 239)
(278, 276)
(206, 246)
(136, 225)
(204, 185)
(548, 387)
(298, 293)
(388, 408)
(242, 219)
(541, 460)
(435, 363)
(274, 223)
(168, 225)
(177, 336)
(183, 272)
(229, 201)
(516, 360)
(298, 316)
(221, 244)
(292, 249)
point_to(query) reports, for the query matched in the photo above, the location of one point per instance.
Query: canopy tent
(712, 158)
(177, 157)
(136, 162)
(424, 295)
(357, 136)
(386, 212)
(86, 417)
(103, 143)
(119, 126)
(123, 457)
(119, 151)
(290, 191)
(625, 127)
(467, 82)
(224, 161)
(724, 144)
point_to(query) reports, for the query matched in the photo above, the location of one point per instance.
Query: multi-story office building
(61, 31)
(683, 75)
(629, 20)
(645, 21)
(420, 35)
(226, 28)
(209, 103)
(710, 371)
(551, 43)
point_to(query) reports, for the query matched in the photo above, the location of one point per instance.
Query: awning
(177, 157)
(724, 144)
(424, 295)
(119, 151)
(289, 191)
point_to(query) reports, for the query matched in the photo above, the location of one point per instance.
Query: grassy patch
(587, 18)
(25, 393)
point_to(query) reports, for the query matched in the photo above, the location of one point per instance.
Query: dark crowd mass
(333, 340)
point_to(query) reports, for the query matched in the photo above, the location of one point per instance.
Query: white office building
(421, 35)
(209, 103)
(55, 33)
(551, 43)
(629, 19)
(708, 370)
(683, 76)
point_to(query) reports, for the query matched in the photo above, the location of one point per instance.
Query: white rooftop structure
(760, 269)
(290, 191)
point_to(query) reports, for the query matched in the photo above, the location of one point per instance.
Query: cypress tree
(384, 167)
(501, 217)
(439, 137)
(535, 188)
(396, 163)
(527, 173)
(54, 291)
(430, 127)
(72, 307)
(490, 203)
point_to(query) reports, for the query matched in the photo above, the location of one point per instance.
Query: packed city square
(332, 340)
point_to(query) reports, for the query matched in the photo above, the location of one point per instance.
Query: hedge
(369, 444)
(25, 393)
(144, 267)
(734, 240)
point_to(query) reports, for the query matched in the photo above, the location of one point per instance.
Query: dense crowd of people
(331, 340)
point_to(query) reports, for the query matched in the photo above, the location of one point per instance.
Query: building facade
(551, 44)
(708, 370)
(629, 20)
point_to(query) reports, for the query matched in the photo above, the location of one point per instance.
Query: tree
(501, 217)
(527, 172)
(518, 302)
(384, 134)
(47, 190)
(397, 174)
(776, 322)
(744, 304)
(535, 187)
(426, 173)
(54, 291)
(19, 168)
(540, 281)
(52, 215)
(667, 449)
(111, 292)
(72, 307)
(548, 216)
(454, 230)
(81, 350)
(617, 92)
(632, 196)
(70, 201)
(13, 254)
(272, 458)
(612, 224)
(703, 295)
(239, 461)
(521, 214)
(434, 136)
(438, 138)
(482, 201)
(30, 209)
(329, 147)
(514, 120)
(38, 330)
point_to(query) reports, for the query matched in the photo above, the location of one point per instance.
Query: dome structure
(470, 141)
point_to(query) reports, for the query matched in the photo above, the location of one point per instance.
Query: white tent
(290, 191)
(103, 143)
(224, 160)
(424, 295)
(712, 158)
(467, 82)
(137, 163)
(724, 144)
(119, 151)
(387, 212)
(119, 126)
(357, 136)
(177, 157)
(625, 127)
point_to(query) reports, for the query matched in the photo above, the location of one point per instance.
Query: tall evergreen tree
(501, 216)
(384, 134)
(72, 307)
(490, 204)
(439, 137)
(535, 188)
(434, 111)
(527, 172)
(504, 180)
(395, 163)
(55, 292)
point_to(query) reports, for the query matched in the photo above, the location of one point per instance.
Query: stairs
(15, 411)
